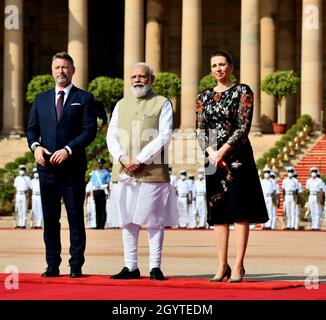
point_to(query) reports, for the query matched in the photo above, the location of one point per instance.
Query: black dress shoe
(76, 272)
(156, 274)
(126, 274)
(51, 272)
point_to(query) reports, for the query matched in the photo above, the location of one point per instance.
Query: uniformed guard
(298, 204)
(183, 193)
(200, 194)
(314, 185)
(173, 179)
(37, 212)
(90, 207)
(192, 203)
(276, 201)
(112, 217)
(22, 184)
(100, 179)
(290, 191)
(268, 187)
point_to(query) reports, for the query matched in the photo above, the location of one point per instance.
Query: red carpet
(101, 287)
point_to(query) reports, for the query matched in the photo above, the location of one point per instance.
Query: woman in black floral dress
(234, 194)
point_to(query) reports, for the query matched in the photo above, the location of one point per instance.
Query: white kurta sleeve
(154, 148)
(112, 140)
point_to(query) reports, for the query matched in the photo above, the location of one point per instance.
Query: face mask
(314, 174)
(21, 172)
(201, 176)
(290, 174)
(183, 177)
(35, 175)
(266, 175)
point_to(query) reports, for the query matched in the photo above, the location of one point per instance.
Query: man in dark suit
(62, 122)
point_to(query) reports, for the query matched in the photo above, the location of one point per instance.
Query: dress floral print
(225, 117)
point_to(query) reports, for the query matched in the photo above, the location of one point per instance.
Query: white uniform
(274, 212)
(269, 192)
(113, 219)
(90, 204)
(183, 190)
(37, 212)
(22, 184)
(192, 205)
(290, 187)
(201, 205)
(298, 208)
(173, 181)
(315, 187)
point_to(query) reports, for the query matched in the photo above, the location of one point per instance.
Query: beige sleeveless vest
(137, 123)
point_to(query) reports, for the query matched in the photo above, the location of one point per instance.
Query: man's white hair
(150, 70)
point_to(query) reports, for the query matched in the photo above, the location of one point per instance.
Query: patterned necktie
(59, 105)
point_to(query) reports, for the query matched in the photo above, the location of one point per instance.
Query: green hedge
(288, 136)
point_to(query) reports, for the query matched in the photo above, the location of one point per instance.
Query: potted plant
(279, 84)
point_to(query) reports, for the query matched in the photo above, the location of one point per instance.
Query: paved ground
(271, 255)
(10, 149)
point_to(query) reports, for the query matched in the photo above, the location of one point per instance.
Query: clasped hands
(216, 157)
(130, 165)
(56, 157)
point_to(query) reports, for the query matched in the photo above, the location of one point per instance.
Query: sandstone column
(249, 53)
(153, 34)
(133, 39)
(311, 59)
(13, 69)
(267, 53)
(78, 41)
(286, 53)
(190, 59)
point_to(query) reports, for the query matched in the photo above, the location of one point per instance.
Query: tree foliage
(167, 84)
(107, 91)
(37, 85)
(280, 84)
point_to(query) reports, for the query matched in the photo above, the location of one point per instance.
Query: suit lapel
(66, 106)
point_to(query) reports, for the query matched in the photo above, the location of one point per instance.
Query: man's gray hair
(150, 70)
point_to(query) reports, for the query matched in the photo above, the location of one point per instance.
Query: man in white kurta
(138, 136)
(37, 212)
(314, 185)
(22, 184)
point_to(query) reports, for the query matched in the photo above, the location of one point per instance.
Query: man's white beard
(140, 92)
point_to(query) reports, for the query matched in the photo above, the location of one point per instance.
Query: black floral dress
(234, 193)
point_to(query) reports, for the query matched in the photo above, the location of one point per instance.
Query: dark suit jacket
(76, 128)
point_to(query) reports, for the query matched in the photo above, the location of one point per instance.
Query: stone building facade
(107, 37)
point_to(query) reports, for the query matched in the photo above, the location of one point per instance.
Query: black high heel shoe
(243, 271)
(227, 274)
